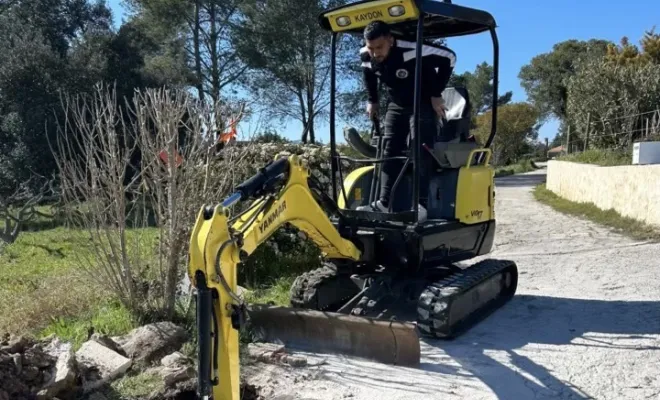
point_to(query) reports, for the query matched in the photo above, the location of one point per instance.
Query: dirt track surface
(585, 323)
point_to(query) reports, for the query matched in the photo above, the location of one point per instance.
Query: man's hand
(439, 106)
(372, 111)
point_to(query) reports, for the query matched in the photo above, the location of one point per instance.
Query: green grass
(277, 293)
(110, 319)
(519, 168)
(601, 157)
(610, 218)
(135, 386)
(42, 282)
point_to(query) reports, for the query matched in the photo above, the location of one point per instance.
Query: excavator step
(451, 306)
(383, 341)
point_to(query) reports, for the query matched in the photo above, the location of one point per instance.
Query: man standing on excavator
(392, 61)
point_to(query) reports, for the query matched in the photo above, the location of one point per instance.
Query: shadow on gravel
(520, 180)
(543, 322)
(493, 352)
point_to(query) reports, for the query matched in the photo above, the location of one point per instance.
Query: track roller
(451, 306)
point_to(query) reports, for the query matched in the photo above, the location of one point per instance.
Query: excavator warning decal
(269, 219)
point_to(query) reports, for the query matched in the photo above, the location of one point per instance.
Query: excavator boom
(280, 194)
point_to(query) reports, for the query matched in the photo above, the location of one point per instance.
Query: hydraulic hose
(204, 311)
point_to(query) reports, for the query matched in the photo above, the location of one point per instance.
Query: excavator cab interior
(386, 280)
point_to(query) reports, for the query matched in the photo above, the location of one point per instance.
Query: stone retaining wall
(631, 190)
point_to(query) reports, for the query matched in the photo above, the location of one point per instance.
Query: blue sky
(527, 28)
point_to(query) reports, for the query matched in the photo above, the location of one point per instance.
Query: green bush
(526, 165)
(602, 157)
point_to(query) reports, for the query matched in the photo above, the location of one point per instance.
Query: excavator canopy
(441, 18)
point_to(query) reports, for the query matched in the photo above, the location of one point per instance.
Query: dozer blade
(325, 332)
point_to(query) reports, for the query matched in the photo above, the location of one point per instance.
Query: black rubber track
(434, 310)
(322, 289)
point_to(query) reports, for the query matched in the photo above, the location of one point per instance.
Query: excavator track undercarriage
(444, 303)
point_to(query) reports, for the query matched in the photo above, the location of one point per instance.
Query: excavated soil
(585, 324)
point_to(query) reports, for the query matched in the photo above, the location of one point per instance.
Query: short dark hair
(376, 29)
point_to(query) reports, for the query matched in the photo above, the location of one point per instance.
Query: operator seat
(457, 124)
(453, 145)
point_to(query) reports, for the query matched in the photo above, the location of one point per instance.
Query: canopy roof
(441, 19)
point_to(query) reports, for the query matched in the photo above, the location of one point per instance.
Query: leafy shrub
(602, 157)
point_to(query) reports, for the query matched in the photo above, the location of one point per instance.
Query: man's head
(379, 40)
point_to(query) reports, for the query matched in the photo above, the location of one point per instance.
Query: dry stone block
(63, 375)
(174, 375)
(108, 363)
(152, 342)
(174, 360)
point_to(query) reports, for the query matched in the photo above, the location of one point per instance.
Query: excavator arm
(219, 242)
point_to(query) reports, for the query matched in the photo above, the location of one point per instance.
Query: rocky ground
(50, 369)
(585, 324)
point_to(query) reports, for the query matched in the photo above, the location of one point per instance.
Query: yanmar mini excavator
(387, 279)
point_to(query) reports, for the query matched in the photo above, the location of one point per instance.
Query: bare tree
(94, 149)
(177, 147)
(175, 138)
(20, 207)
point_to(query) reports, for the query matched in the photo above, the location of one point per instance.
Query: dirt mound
(35, 369)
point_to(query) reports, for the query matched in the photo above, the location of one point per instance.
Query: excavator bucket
(383, 341)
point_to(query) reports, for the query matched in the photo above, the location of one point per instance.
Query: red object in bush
(164, 157)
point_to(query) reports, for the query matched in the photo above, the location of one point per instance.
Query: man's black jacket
(397, 72)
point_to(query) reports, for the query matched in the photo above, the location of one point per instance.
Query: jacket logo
(401, 73)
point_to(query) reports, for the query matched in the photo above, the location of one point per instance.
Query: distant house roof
(557, 149)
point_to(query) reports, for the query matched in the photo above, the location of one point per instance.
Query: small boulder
(274, 354)
(109, 343)
(175, 359)
(107, 364)
(36, 357)
(173, 375)
(151, 342)
(63, 375)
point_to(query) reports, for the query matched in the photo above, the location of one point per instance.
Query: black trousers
(399, 124)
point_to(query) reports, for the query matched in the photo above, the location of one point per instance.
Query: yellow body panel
(349, 182)
(296, 205)
(362, 14)
(207, 237)
(474, 194)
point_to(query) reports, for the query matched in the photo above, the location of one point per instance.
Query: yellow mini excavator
(387, 278)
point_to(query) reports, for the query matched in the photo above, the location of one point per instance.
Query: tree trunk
(172, 204)
(213, 44)
(311, 84)
(310, 112)
(303, 118)
(198, 57)
(312, 137)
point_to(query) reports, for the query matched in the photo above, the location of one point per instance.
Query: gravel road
(585, 323)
